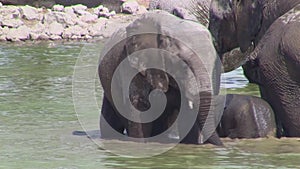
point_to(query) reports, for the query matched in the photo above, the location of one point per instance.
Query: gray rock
(88, 17)
(55, 29)
(12, 23)
(98, 9)
(55, 37)
(9, 12)
(74, 32)
(30, 13)
(87, 37)
(82, 24)
(48, 18)
(65, 18)
(58, 8)
(2, 37)
(104, 10)
(16, 14)
(69, 10)
(60, 17)
(113, 5)
(81, 12)
(43, 36)
(97, 28)
(33, 36)
(5, 30)
(79, 7)
(38, 28)
(104, 13)
(17, 34)
(130, 7)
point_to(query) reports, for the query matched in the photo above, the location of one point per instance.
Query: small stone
(98, 9)
(9, 12)
(58, 8)
(69, 10)
(1, 4)
(30, 13)
(34, 36)
(55, 37)
(79, 7)
(43, 36)
(105, 10)
(97, 28)
(38, 28)
(72, 31)
(2, 37)
(86, 37)
(17, 34)
(81, 12)
(12, 23)
(130, 7)
(88, 18)
(5, 30)
(15, 14)
(82, 24)
(48, 18)
(55, 29)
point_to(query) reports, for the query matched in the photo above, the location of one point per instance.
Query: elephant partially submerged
(246, 117)
(182, 65)
(272, 27)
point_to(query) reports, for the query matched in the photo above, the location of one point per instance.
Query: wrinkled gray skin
(147, 80)
(246, 117)
(275, 62)
(195, 10)
(198, 10)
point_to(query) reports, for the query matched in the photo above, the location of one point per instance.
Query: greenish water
(37, 117)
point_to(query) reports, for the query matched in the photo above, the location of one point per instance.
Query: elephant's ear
(248, 14)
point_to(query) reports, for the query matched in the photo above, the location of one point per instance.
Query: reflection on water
(37, 118)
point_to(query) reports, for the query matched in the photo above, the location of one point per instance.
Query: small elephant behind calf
(246, 117)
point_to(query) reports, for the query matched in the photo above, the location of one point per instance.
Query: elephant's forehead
(292, 16)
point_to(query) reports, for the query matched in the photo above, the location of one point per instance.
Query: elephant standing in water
(188, 53)
(246, 117)
(272, 27)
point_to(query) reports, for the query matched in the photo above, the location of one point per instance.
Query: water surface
(37, 117)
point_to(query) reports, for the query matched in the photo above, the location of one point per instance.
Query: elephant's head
(158, 79)
(235, 23)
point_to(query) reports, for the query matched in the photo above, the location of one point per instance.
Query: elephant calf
(170, 55)
(246, 117)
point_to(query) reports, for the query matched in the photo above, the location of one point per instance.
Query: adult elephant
(272, 27)
(182, 65)
(198, 11)
(246, 117)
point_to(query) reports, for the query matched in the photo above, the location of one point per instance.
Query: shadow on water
(37, 118)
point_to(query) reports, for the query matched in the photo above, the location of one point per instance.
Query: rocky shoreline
(77, 22)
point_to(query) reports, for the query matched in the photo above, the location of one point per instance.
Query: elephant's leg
(135, 129)
(110, 120)
(192, 136)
